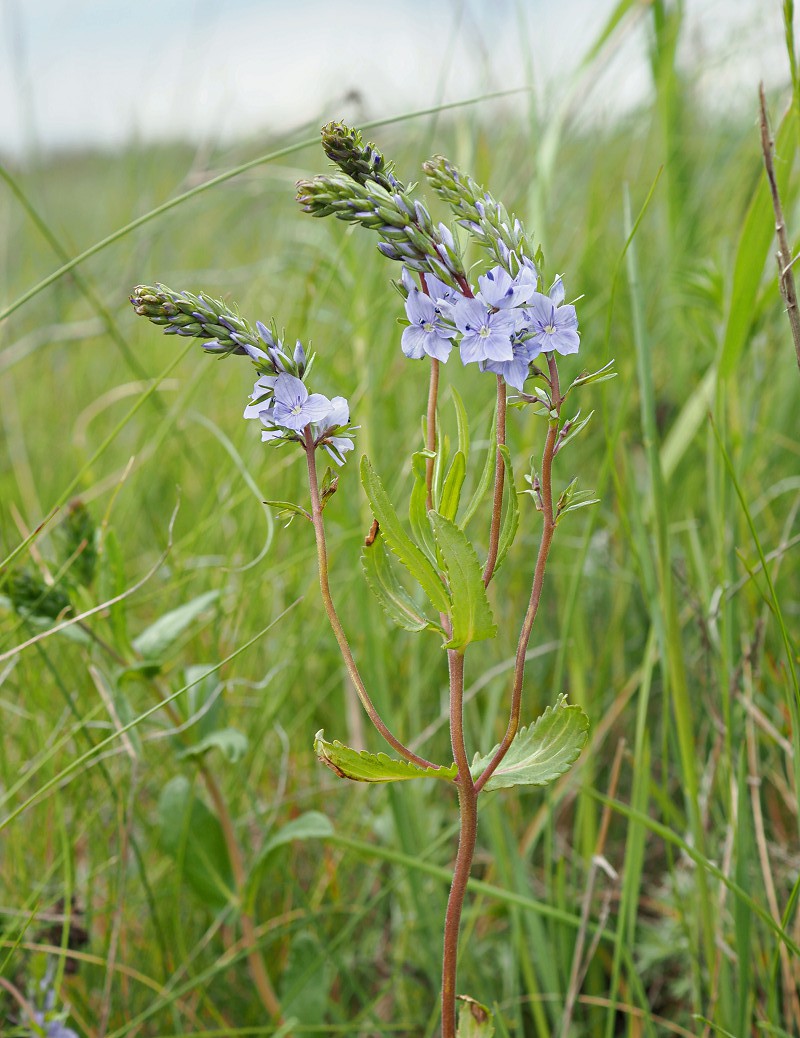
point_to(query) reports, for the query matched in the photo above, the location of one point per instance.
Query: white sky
(102, 71)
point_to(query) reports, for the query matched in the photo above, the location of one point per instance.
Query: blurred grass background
(669, 908)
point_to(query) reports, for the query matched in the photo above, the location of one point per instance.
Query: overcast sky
(74, 72)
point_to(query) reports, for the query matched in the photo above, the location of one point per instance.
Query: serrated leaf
(474, 1019)
(470, 612)
(541, 752)
(510, 525)
(485, 482)
(362, 766)
(192, 835)
(412, 557)
(451, 491)
(390, 593)
(155, 639)
(230, 742)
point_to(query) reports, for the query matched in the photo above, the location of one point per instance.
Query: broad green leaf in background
(306, 981)
(470, 612)
(192, 835)
(474, 1019)
(361, 766)
(230, 742)
(413, 558)
(541, 752)
(755, 244)
(392, 596)
(157, 638)
(312, 825)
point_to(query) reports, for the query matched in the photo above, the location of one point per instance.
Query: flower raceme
(502, 327)
(280, 398)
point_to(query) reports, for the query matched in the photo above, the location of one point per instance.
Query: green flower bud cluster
(30, 596)
(361, 162)
(79, 542)
(482, 215)
(182, 313)
(367, 192)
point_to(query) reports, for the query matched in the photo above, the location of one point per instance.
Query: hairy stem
(468, 812)
(333, 617)
(548, 529)
(499, 478)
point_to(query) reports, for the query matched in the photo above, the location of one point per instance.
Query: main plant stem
(333, 616)
(468, 812)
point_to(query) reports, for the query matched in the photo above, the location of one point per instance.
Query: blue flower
(486, 334)
(335, 421)
(427, 333)
(515, 371)
(261, 396)
(499, 289)
(554, 325)
(293, 407)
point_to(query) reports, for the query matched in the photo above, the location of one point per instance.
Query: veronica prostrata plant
(505, 322)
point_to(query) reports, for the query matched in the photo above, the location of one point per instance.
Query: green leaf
(440, 463)
(542, 752)
(417, 507)
(412, 557)
(451, 491)
(485, 482)
(312, 825)
(601, 375)
(202, 699)
(470, 613)
(571, 429)
(508, 530)
(192, 835)
(755, 244)
(230, 742)
(288, 510)
(474, 1019)
(392, 596)
(306, 981)
(462, 422)
(156, 639)
(361, 766)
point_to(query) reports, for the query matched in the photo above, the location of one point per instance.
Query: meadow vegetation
(651, 891)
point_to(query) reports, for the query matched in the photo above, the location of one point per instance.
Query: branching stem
(548, 529)
(333, 617)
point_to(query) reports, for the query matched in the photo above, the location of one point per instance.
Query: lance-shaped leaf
(361, 766)
(508, 530)
(462, 422)
(395, 601)
(470, 612)
(485, 482)
(541, 752)
(451, 490)
(417, 506)
(413, 558)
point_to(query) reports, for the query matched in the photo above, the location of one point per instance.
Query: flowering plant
(507, 324)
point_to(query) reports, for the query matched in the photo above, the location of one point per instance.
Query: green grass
(670, 611)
